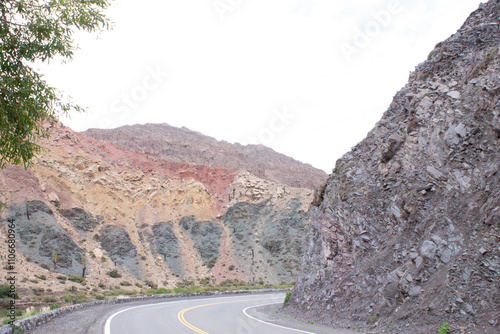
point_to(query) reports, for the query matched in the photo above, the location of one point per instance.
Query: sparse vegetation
(75, 298)
(76, 279)
(444, 329)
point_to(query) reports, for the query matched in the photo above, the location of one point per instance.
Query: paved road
(221, 315)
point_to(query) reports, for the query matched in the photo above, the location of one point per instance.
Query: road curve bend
(218, 315)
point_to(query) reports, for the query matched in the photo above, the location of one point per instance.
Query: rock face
(40, 235)
(406, 230)
(264, 239)
(184, 145)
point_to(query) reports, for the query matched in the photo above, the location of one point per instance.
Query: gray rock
(413, 255)
(428, 249)
(391, 290)
(459, 300)
(454, 94)
(434, 172)
(461, 130)
(419, 261)
(451, 137)
(415, 291)
(469, 309)
(482, 250)
(437, 240)
(445, 256)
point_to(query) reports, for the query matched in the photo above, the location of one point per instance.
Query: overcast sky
(308, 78)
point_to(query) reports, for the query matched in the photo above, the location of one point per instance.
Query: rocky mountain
(405, 233)
(131, 217)
(183, 145)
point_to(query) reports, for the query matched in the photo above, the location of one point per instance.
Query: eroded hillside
(147, 219)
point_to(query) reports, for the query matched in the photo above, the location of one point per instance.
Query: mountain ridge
(182, 144)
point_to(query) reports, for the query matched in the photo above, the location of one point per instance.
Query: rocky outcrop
(405, 232)
(80, 219)
(264, 239)
(40, 234)
(183, 145)
(116, 242)
(205, 236)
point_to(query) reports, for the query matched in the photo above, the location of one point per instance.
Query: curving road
(221, 315)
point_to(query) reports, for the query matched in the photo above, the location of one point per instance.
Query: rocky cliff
(183, 145)
(405, 233)
(131, 217)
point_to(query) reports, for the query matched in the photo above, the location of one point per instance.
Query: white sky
(295, 75)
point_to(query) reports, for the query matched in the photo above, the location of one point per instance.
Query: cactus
(54, 258)
(84, 265)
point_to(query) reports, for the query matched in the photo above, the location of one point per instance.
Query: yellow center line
(183, 320)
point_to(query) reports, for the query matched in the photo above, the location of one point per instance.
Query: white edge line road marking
(107, 325)
(271, 324)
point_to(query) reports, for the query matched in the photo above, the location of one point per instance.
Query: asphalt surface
(236, 314)
(209, 315)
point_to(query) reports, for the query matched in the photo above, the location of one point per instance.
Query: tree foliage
(36, 30)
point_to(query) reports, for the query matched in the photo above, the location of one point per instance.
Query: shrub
(6, 312)
(152, 284)
(6, 293)
(54, 306)
(444, 329)
(211, 263)
(49, 299)
(139, 285)
(114, 274)
(101, 285)
(125, 283)
(61, 277)
(287, 297)
(42, 277)
(76, 278)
